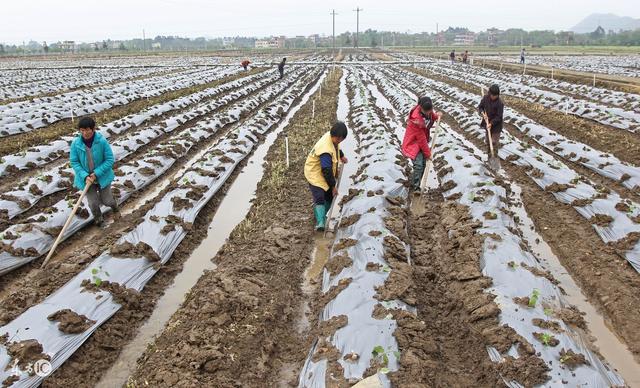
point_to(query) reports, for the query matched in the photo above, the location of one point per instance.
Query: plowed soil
(238, 325)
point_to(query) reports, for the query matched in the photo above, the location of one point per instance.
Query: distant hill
(608, 21)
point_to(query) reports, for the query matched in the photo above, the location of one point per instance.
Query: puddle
(611, 348)
(232, 210)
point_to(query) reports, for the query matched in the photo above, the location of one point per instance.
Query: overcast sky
(95, 20)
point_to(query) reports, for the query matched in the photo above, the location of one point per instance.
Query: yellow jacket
(312, 168)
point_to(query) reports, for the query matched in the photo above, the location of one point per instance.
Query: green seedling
(546, 339)
(548, 312)
(565, 358)
(512, 265)
(70, 203)
(533, 299)
(378, 352)
(95, 275)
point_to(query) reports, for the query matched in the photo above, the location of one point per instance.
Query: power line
(333, 13)
(357, 10)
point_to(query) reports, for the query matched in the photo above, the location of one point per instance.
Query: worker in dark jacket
(492, 105)
(92, 162)
(452, 56)
(321, 169)
(281, 67)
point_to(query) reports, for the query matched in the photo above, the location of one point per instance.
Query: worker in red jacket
(245, 64)
(415, 144)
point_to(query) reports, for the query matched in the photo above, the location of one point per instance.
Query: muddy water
(611, 348)
(231, 211)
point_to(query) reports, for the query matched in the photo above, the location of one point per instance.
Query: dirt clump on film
(71, 322)
(443, 344)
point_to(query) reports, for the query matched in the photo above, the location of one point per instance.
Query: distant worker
(321, 170)
(522, 52)
(465, 56)
(281, 67)
(452, 56)
(492, 105)
(245, 64)
(415, 144)
(92, 162)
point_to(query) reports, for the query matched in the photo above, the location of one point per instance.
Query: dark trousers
(419, 164)
(321, 197)
(97, 196)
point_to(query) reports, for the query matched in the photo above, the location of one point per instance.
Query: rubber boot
(327, 207)
(320, 212)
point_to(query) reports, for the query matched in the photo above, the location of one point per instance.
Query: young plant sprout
(533, 299)
(95, 275)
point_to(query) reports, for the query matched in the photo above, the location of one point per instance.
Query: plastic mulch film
(24, 242)
(26, 116)
(364, 242)
(604, 164)
(615, 219)
(60, 80)
(464, 176)
(136, 256)
(29, 191)
(623, 100)
(612, 116)
(44, 154)
(461, 169)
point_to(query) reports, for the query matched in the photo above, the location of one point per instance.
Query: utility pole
(333, 13)
(144, 41)
(358, 9)
(437, 36)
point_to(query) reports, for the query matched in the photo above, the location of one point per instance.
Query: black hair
(87, 122)
(494, 90)
(339, 129)
(425, 103)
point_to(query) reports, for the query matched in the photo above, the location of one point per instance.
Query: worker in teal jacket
(92, 162)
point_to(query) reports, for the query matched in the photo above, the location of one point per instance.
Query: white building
(270, 43)
(464, 39)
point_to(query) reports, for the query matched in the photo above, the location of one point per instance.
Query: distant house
(156, 46)
(493, 34)
(68, 46)
(270, 43)
(228, 42)
(466, 39)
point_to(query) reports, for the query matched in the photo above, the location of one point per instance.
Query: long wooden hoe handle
(489, 139)
(66, 224)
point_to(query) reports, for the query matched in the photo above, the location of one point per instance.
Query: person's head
(87, 127)
(494, 92)
(284, 59)
(426, 105)
(338, 132)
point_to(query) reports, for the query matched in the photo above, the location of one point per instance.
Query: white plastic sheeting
(546, 171)
(217, 164)
(363, 332)
(613, 116)
(41, 155)
(508, 283)
(25, 116)
(27, 241)
(600, 162)
(473, 181)
(54, 179)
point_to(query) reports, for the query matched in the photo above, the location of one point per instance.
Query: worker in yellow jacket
(321, 169)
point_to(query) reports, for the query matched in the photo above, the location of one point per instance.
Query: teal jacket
(102, 161)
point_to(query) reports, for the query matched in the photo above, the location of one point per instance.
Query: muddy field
(214, 276)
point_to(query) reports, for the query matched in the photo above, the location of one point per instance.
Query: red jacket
(416, 136)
